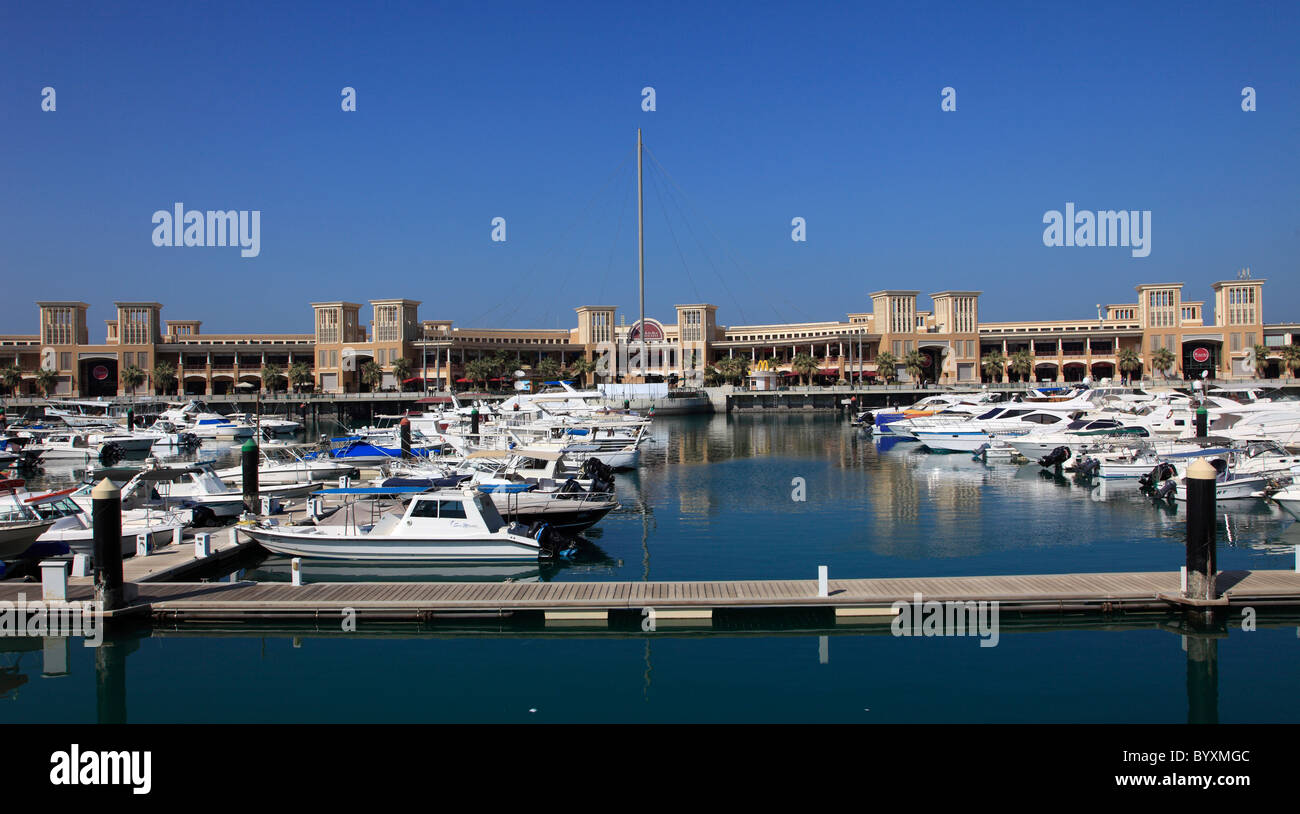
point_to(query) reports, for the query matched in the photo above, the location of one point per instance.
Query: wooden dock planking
(1034, 591)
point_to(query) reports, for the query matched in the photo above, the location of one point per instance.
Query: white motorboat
(167, 435)
(267, 423)
(284, 463)
(1289, 500)
(1228, 486)
(533, 486)
(74, 448)
(966, 436)
(70, 522)
(16, 536)
(195, 418)
(131, 442)
(196, 486)
(447, 525)
(1076, 436)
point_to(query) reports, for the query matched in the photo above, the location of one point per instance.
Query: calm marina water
(715, 498)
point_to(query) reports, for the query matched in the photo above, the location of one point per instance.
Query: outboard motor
(1159, 473)
(1166, 489)
(1056, 457)
(569, 487)
(1087, 466)
(110, 454)
(552, 543)
(596, 470)
(981, 452)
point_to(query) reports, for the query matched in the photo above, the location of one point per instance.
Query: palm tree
(47, 378)
(912, 363)
(479, 370)
(271, 376)
(12, 377)
(733, 367)
(164, 377)
(582, 367)
(132, 377)
(712, 376)
(804, 365)
(1129, 362)
(1162, 359)
(993, 365)
(1261, 360)
(401, 371)
(1290, 359)
(372, 374)
(887, 366)
(1021, 363)
(300, 375)
(547, 370)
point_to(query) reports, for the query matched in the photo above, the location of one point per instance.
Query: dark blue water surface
(716, 498)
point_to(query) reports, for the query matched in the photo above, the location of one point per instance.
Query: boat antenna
(640, 249)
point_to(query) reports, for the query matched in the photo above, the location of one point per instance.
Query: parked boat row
(1119, 435)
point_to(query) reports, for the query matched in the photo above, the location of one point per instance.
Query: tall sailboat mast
(640, 248)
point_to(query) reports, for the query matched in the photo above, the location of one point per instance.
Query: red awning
(789, 373)
(826, 371)
(434, 400)
(412, 379)
(462, 381)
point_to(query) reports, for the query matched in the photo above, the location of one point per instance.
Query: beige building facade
(945, 335)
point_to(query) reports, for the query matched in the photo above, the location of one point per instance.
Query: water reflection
(827, 646)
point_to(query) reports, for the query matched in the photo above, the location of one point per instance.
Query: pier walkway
(694, 602)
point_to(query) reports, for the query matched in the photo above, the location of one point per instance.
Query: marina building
(400, 350)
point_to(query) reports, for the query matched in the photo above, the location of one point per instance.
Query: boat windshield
(54, 509)
(488, 510)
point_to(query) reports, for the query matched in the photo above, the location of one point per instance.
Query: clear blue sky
(528, 111)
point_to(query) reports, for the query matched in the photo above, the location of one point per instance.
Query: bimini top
(374, 490)
(1199, 453)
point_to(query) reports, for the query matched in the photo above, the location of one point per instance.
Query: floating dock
(687, 603)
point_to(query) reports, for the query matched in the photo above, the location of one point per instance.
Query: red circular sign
(926, 361)
(1201, 355)
(100, 372)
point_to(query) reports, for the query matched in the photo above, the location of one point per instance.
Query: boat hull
(483, 548)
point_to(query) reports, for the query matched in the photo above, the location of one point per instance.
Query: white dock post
(202, 545)
(55, 657)
(295, 570)
(178, 536)
(269, 505)
(80, 565)
(344, 481)
(1182, 584)
(313, 508)
(142, 544)
(54, 580)
(823, 578)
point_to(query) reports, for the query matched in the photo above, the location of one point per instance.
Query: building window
(327, 326)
